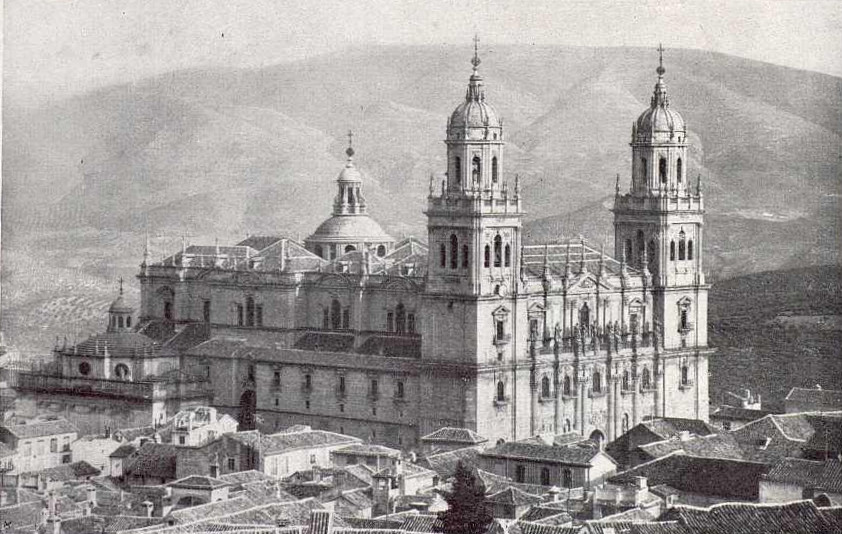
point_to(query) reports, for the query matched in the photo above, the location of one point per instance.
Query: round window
(85, 368)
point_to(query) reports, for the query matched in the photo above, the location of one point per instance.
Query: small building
(511, 503)
(117, 460)
(625, 450)
(200, 424)
(194, 490)
(731, 417)
(96, 450)
(375, 456)
(40, 444)
(579, 465)
(793, 479)
(399, 481)
(816, 399)
(622, 495)
(451, 438)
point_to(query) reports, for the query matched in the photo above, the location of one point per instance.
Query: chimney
(684, 435)
(399, 467)
(554, 492)
(91, 492)
(149, 507)
(317, 474)
(640, 483)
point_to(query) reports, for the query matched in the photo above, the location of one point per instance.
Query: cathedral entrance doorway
(598, 437)
(247, 416)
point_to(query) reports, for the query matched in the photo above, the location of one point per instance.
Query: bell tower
(660, 221)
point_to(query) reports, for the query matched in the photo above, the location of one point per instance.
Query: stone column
(660, 401)
(556, 390)
(609, 401)
(635, 400)
(617, 428)
(533, 388)
(583, 379)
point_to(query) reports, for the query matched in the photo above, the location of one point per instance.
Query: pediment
(500, 310)
(338, 280)
(589, 282)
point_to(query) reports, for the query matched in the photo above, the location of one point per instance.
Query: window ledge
(686, 385)
(542, 399)
(501, 402)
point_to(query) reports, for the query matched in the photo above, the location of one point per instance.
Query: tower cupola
(120, 314)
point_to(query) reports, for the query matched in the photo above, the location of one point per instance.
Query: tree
(467, 512)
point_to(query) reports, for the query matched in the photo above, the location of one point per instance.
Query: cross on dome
(660, 70)
(476, 60)
(350, 150)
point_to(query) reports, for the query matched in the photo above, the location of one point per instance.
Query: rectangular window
(342, 385)
(239, 315)
(346, 318)
(374, 387)
(312, 458)
(181, 440)
(399, 393)
(54, 445)
(307, 404)
(232, 464)
(277, 402)
(500, 329)
(308, 382)
(258, 312)
(390, 322)
(325, 318)
(342, 408)
(410, 321)
(276, 379)
(206, 311)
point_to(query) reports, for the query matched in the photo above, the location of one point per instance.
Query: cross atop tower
(660, 70)
(476, 61)
(350, 149)
(121, 285)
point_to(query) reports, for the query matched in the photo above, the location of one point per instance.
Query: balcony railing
(140, 391)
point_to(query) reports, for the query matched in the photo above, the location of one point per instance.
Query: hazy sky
(55, 47)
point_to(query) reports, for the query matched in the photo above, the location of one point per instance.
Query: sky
(55, 48)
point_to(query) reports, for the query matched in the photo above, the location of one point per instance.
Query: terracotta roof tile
(455, 435)
(801, 517)
(572, 455)
(826, 398)
(38, 429)
(826, 476)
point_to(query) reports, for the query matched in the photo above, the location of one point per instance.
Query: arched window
(567, 477)
(597, 382)
(625, 423)
(249, 311)
(335, 315)
(410, 323)
(84, 368)
(566, 386)
(678, 170)
(466, 256)
(443, 256)
(644, 168)
(494, 170)
(507, 256)
(646, 379)
(625, 380)
(498, 251)
(683, 323)
(400, 318)
(651, 254)
(381, 250)
(168, 310)
(690, 249)
(585, 315)
(520, 474)
(685, 375)
(454, 251)
(641, 246)
(350, 248)
(662, 170)
(120, 321)
(121, 372)
(487, 260)
(672, 250)
(129, 318)
(501, 391)
(567, 426)
(457, 174)
(682, 246)
(476, 169)
(629, 250)
(545, 476)
(545, 387)
(325, 318)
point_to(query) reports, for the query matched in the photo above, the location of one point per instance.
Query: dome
(118, 344)
(659, 120)
(474, 114)
(355, 228)
(119, 305)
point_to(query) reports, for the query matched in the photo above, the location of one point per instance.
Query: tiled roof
(422, 523)
(245, 477)
(572, 455)
(392, 346)
(734, 413)
(118, 345)
(377, 523)
(444, 463)
(707, 476)
(668, 427)
(5, 450)
(198, 482)
(528, 527)
(284, 442)
(827, 399)
(123, 451)
(21, 515)
(154, 460)
(773, 437)
(514, 497)
(581, 253)
(800, 517)
(368, 449)
(826, 476)
(321, 522)
(712, 446)
(259, 242)
(494, 483)
(107, 524)
(38, 429)
(68, 472)
(827, 435)
(632, 527)
(450, 434)
(632, 514)
(538, 512)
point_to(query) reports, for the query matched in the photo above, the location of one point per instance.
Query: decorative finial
(699, 184)
(476, 60)
(617, 185)
(350, 150)
(121, 285)
(660, 70)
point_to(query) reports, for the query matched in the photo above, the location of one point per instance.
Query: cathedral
(355, 332)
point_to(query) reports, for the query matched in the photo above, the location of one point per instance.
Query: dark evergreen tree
(467, 512)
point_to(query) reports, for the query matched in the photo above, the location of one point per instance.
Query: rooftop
(668, 427)
(800, 517)
(38, 429)
(455, 435)
(581, 455)
(735, 413)
(826, 476)
(198, 482)
(514, 497)
(825, 398)
(368, 449)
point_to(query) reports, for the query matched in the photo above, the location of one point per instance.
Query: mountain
(223, 153)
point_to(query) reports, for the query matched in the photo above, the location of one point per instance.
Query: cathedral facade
(355, 332)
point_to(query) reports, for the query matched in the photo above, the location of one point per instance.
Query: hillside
(225, 153)
(776, 330)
